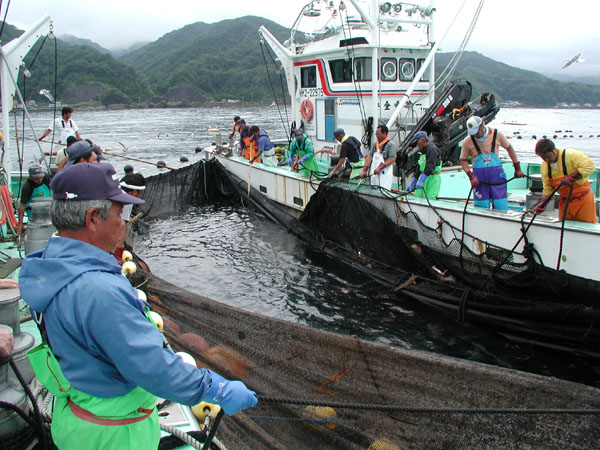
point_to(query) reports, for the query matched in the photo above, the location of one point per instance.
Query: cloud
(528, 34)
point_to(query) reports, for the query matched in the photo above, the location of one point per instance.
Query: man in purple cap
(488, 178)
(110, 362)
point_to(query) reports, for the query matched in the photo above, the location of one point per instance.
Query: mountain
(84, 73)
(208, 62)
(595, 80)
(510, 83)
(74, 40)
(213, 61)
(122, 51)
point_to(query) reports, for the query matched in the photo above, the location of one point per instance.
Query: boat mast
(11, 56)
(423, 68)
(372, 22)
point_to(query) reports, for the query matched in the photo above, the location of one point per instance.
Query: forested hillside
(204, 62)
(219, 60)
(510, 83)
(83, 73)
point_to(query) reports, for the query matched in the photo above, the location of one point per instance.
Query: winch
(11, 391)
(39, 228)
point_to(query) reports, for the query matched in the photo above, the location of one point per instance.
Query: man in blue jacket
(264, 144)
(110, 354)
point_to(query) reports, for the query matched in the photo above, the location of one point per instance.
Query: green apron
(40, 191)
(309, 166)
(84, 422)
(357, 169)
(432, 183)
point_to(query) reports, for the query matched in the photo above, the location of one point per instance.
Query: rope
(182, 435)
(411, 409)
(523, 233)
(4, 20)
(36, 424)
(562, 228)
(273, 88)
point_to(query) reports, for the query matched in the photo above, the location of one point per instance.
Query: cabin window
(425, 76)
(407, 69)
(389, 70)
(308, 76)
(341, 70)
(362, 69)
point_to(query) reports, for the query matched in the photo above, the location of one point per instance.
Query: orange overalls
(251, 148)
(582, 206)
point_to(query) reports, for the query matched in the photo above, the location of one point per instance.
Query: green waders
(308, 167)
(432, 183)
(84, 422)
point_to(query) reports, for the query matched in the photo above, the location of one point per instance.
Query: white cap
(473, 124)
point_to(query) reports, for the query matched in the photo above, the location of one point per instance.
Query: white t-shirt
(63, 129)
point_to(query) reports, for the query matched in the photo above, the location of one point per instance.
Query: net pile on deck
(282, 361)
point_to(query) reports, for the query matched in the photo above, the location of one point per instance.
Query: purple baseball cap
(85, 181)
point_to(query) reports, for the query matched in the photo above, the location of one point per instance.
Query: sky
(538, 35)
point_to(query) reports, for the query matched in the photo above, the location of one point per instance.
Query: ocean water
(233, 255)
(169, 134)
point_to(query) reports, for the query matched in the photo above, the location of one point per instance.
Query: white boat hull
(291, 190)
(483, 228)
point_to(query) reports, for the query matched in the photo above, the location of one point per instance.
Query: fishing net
(340, 381)
(282, 360)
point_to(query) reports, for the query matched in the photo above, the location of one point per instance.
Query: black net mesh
(282, 360)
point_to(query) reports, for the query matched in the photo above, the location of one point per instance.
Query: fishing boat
(26, 408)
(317, 389)
(358, 64)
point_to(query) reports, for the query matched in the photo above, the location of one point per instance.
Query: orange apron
(251, 148)
(582, 206)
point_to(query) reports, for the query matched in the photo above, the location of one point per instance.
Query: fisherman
(234, 128)
(488, 178)
(128, 169)
(106, 354)
(246, 144)
(426, 181)
(380, 159)
(567, 170)
(302, 155)
(36, 186)
(64, 126)
(261, 143)
(81, 151)
(62, 154)
(351, 151)
(132, 184)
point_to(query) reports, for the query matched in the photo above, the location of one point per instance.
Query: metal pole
(425, 66)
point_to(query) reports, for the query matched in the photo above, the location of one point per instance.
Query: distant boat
(573, 60)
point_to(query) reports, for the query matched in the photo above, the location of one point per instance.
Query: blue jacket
(97, 329)
(264, 142)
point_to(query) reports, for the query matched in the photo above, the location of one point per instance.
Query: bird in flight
(573, 60)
